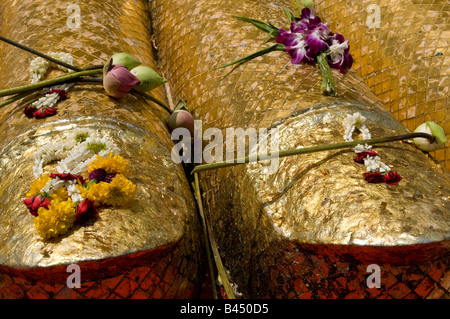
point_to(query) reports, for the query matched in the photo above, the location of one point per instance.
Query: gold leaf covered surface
(163, 212)
(266, 90)
(158, 216)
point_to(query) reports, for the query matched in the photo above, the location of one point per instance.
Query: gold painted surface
(245, 207)
(164, 211)
(160, 214)
(322, 198)
(405, 61)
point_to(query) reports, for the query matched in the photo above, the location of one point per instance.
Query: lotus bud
(118, 80)
(148, 77)
(182, 118)
(125, 59)
(433, 129)
(308, 4)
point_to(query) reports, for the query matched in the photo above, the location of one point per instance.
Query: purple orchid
(338, 56)
(317, 40)
(294, 45)
(307, 22)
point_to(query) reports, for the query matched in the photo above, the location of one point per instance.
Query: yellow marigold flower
(112, 164)
(56, 220)
(121, 191)
(96, 192)
(38, 184)
(117, 193)
(60, 194)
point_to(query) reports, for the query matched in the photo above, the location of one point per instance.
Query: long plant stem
(95, 80)
(205, 236)
(43, 84)
(328, 86)
(42, 55)
(17, 97)
(93, 67)
(307, 150)
(153, 99)
(211, 243)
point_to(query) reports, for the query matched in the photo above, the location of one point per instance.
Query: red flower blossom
(35, 202)
(374, 177)
(361, 156)
(392, 178)
(29, 111)
(62, 93)
(49, 111)
(85, 211)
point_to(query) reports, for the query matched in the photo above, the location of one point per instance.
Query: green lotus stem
(42, 55)
(95, 80)
(93, 67)
(328, 86)
(17, 97)
(307, 150)
(42, 84)
(153, 99)
(210, 239)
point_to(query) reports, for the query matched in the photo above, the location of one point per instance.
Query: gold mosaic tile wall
(405, 59)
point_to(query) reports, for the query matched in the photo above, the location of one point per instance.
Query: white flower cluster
(360, 148)
(39, 66)
(74, 156)
(49, 100)
(357, 121)
(352, 122)
(374, 164)
(79, 157)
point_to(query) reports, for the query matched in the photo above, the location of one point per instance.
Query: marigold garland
(60, 200)
(113, 163)
(55, 221)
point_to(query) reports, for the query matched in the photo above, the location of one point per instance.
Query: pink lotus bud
(182, 118)
(118, 80)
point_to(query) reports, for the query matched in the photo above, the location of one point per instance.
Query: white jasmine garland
(49, 100)
(360, 148)
(352, 122)
(48, 153)
(39, 66)
(357, 121)
(74, 193)
(79, 158)
(374, 164)
(74, 157)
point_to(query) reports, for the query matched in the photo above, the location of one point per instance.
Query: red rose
(29, 111)
(392, 178)
(68, 177)
(49, 111)
(85, 211)
(374, 177)
(35, 202)
(361, 156)
(62, 93)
